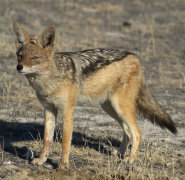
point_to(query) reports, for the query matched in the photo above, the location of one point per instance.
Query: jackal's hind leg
(108, 108)
(125, 141)
(127, 111)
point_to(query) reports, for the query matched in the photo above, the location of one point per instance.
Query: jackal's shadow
(12, 132)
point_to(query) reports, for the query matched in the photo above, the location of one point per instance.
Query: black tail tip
(173, 129)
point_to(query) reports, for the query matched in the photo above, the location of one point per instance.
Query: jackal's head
(34, 55)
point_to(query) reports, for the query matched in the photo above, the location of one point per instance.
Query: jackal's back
(87, 62)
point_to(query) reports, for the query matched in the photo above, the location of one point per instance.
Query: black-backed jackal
(112, 78)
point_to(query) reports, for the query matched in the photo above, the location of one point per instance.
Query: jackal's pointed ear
(47, 37)
(22, 37)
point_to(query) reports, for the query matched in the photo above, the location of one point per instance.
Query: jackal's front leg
(67, 134)
(50, 118)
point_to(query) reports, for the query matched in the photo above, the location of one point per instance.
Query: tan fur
(111, 78)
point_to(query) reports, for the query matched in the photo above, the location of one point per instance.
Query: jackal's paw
(64, 166)
(126, 159)
(129, 159)
(39, 161)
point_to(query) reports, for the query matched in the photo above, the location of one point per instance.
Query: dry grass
(15, 94)
(151, 163)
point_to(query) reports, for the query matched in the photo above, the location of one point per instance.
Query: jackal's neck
(44, 83)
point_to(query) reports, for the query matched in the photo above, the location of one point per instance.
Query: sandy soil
(152, 29)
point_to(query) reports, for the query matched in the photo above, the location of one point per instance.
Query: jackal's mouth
(26, 70)
(21, 72)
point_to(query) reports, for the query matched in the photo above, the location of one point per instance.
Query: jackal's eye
(35, 57)
(19, 57)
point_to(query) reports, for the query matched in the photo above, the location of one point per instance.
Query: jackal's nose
(19, 67)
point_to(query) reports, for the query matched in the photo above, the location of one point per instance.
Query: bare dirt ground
(154, 30)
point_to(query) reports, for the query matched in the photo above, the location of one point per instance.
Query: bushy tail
(148, 106)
